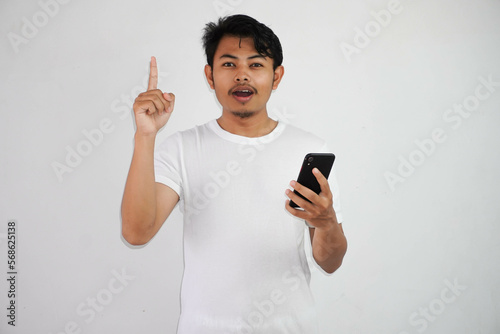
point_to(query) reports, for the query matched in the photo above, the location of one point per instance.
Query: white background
(435, 226)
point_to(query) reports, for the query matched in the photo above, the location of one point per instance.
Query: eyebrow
(234, 57)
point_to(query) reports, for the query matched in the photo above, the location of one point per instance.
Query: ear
(278, 75)
(209, 75)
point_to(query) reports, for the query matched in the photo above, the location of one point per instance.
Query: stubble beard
(243, 114)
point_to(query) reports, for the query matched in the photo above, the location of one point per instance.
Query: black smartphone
(322, 161)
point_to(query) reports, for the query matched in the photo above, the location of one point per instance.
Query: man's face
(242, 78)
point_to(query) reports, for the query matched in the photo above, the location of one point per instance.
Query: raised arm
(147, 204)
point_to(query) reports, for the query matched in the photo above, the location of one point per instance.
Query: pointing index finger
(153, 74)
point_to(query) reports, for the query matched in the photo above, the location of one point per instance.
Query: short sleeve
(167, 163)
(334, 187)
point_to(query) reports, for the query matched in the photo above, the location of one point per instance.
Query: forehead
(235, 45)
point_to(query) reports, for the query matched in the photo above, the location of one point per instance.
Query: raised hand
(152, 108)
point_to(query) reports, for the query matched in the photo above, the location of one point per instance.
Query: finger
(146, 106)
(304, 204)
(323, 182)
(296, 212)
(157, 97)
(304, 191)
(160, 104)
(153, 74)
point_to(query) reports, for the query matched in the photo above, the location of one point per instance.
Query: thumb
(169, 96)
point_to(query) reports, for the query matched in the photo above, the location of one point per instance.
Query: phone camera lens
(310, 159)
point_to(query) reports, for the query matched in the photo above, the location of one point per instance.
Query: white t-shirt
(245, 266)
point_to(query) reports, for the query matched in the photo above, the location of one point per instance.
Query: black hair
(265, 41)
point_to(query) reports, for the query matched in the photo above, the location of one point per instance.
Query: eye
(256, 65)
(228, 64)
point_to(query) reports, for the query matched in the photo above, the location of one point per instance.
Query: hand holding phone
(322, 161)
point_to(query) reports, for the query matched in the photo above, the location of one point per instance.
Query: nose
(241, 76)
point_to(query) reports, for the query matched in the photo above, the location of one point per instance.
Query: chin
(243, 114)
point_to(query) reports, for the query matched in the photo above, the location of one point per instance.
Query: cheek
(220, 81)
(267, 82)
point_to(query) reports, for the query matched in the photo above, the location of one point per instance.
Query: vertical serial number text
(11, 272)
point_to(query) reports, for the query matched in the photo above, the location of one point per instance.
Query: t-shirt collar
(215, 127)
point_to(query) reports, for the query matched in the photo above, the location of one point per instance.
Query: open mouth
(243, 94)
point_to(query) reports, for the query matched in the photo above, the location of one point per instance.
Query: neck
(253, 126)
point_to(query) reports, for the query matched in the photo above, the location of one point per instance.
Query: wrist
(144, 137)
(144, 141)
(328, 228)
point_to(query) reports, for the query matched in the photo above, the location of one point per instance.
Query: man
(245, 265)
